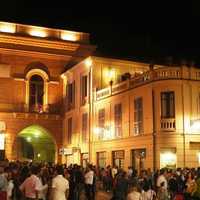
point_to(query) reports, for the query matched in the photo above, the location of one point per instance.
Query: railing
(168, 124)
(103, 93)
(24, 108)
(149, 76)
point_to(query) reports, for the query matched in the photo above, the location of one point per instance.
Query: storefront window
(118, 158)
(168, 159)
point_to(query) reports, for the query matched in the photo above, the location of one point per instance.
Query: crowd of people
(42, 181)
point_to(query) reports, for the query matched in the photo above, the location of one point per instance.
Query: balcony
(141, 79)
(168, 124)
(24, 108)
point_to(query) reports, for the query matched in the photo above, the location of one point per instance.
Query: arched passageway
(35, 143)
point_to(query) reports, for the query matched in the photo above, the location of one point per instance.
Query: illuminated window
(84, 127)
(118, 158)
(138, 116)
(101, 123)
(84, 89)
(167, 105)
(69, 130)
(70, 95)
(36, 93)
(118, 120)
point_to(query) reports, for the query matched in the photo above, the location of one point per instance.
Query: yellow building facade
(127, 113)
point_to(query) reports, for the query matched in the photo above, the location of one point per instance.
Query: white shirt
(60, 185)
(134, 196)
(161, 179)
(43, 190)
(10, 189)
(89, 177)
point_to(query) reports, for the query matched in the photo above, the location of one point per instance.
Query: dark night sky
(144, 31)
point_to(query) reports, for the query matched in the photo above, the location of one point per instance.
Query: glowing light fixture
(70, 36)
(62, 76)
(7, 27)
(37, 134)
(38, 155)
(2, 141)
(88, 62)
(38, 32)
(28, 139)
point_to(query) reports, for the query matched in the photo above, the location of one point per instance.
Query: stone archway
(35, 143)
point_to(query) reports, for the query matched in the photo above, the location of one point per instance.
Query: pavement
(100, 195)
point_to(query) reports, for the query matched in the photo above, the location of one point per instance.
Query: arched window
(36, 93)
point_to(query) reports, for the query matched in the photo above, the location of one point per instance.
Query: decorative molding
(35, 54)
(18, 40)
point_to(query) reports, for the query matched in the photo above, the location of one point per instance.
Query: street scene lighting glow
(68, 36)
(167, 159)
(195, 125)
(29, 139)
(38, 33)
(7, 28)
(2, 141)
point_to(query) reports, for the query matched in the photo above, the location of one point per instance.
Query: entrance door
(138, 157)
(101, 159)
(118, 158)
(35, 143)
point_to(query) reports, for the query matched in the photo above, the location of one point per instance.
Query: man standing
(89, 178)
(31, 185)
(60, 186)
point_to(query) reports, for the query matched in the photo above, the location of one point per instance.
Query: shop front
(168, 158)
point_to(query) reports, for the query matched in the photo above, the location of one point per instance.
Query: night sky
(146, 31)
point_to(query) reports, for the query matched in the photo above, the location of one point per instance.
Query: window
(118, 158)
(167, 105)
(101, 123)
(69, 130)
(36, 93)
(138, 116)
(70, 95)
(118, 120)
(101, 159)
(84, 89)
(84, 127)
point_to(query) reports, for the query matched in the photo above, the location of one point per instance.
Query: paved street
(100, 195)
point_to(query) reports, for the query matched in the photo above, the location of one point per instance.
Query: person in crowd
(60, 185)
(147, 192)
(31, 185)
(121, 186)
(89, 177)
(134, 193)
(190, 185)
(196, 192)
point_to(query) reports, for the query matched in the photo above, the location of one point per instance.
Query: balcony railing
(146, 77)
(168, 124)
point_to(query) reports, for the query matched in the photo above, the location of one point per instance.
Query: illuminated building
(128, 113)
(31, 90)
(57, 102)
